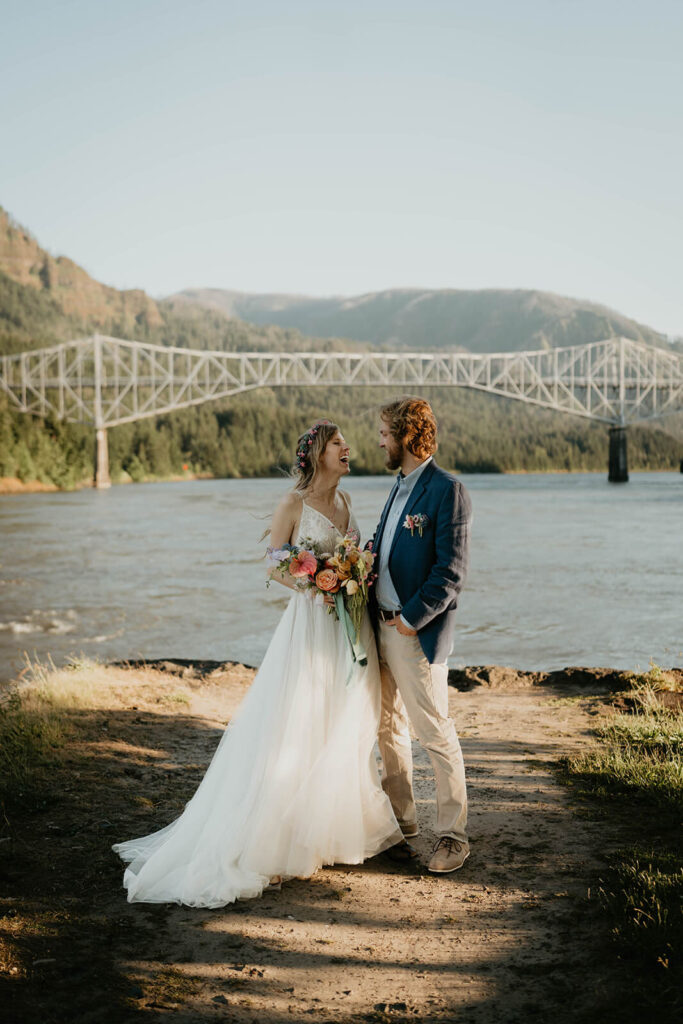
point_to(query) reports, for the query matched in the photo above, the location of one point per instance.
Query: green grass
(639, 757)
(642, 893)
(635, 775)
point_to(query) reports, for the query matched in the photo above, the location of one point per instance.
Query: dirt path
(508, 938)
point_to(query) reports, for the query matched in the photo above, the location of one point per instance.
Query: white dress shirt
(387, 598)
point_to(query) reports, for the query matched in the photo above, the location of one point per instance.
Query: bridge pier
(102, 479)
(618, 457)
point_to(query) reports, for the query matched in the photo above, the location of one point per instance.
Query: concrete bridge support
(102, 479)
(618, 458)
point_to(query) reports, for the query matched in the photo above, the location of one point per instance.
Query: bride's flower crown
(306, 442)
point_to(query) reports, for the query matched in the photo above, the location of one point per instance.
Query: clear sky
(338, 148)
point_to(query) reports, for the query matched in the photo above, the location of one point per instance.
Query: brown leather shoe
(401, 853)
(448, 855)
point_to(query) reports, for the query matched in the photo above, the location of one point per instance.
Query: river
(565, 570)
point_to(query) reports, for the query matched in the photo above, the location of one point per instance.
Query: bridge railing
(108, 381)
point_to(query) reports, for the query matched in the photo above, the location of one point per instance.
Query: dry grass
(41, 714)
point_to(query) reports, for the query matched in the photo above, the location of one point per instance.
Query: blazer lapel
(413, 499)
(383, 518)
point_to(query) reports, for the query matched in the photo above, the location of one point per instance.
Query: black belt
(385, 616)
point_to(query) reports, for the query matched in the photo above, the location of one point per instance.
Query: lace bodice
(314, 526)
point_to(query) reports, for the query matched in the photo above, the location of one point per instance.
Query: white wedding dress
(293, 784)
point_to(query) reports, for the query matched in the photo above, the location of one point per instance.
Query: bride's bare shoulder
(285, 520)
(291, 501)
(289, 507)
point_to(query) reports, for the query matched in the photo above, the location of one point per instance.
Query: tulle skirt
(293, 784)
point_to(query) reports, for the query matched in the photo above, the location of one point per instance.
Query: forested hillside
(45, 300)
(255, 435)
(487, 320)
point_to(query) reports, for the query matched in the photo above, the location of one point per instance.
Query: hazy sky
(347, 147)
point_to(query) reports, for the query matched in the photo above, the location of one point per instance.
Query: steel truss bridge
(108, 381)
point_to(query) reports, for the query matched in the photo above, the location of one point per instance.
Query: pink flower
(416, 522)
(303, 564)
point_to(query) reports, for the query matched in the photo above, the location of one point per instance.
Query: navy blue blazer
(429, 571)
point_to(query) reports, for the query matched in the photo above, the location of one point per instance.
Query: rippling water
(566, 569)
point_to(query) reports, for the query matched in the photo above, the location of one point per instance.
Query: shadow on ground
(507, 939)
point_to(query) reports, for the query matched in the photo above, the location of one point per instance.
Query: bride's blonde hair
(309, 449)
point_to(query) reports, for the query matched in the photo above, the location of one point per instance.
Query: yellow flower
(340, 566)
(351, 587)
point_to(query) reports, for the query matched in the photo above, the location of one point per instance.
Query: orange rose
(328, 581)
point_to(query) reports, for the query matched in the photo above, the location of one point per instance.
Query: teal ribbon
(358, 653)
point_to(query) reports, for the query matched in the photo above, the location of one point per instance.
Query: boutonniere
(418, 521)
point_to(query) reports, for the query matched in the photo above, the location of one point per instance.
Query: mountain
(72, 292)
(490, 320)
(46, 299)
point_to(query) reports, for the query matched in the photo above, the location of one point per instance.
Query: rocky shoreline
(493, 677)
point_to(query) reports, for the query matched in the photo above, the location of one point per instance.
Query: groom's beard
(394, 457)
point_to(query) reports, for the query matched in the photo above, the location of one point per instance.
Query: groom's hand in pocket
(401, 626)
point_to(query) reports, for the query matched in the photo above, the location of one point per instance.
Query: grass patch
(639, 757)
(33, 731)
(635, 776)
(42, 716)
(179, 697)
(642, 893)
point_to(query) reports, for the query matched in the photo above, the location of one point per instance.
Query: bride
(294, 783)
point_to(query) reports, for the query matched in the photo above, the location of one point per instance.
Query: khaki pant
(414, 690)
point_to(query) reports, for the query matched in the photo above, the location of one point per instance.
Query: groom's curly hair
(412, 424)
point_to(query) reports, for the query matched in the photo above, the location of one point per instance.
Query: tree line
(255, 434)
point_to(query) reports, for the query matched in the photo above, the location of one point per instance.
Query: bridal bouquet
(345, 574)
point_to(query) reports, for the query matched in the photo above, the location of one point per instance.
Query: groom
(421, 548)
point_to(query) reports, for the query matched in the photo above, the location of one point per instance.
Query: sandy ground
(508, 938)
(13, 485)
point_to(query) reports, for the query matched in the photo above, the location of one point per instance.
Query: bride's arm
(283, 531)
